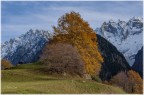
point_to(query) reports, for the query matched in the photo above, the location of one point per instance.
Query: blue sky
(19, 17)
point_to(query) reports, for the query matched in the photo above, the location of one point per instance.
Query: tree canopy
(74, 30)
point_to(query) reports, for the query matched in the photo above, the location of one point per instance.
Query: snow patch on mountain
(25, 49)
(126, 36)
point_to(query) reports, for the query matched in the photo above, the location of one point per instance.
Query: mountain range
(118, 42)
(125, 36)
(26, 48)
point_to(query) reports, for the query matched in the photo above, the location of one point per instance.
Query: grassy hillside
(28, 78)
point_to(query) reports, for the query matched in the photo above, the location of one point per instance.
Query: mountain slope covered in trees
(138, 64)
(114, 61)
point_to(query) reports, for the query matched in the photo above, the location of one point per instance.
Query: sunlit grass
(28, 78)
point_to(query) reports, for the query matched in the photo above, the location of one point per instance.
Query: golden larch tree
(74, 30)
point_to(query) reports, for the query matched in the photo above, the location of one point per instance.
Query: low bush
(130, 81)
(62, 58)
(5, 64)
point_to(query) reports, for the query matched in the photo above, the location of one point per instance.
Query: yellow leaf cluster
(74, 30)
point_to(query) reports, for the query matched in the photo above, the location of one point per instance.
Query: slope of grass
(28, 78)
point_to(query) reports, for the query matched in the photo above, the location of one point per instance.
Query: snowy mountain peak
(126, 36)
(140, 19)
(26, 47)
(111, 21)
(135, 25)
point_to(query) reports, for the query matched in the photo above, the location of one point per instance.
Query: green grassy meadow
(29, 79)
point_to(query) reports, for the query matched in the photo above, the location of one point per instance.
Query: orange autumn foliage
(5, 64)
(136, 82)
(130, 81)
(74, 30)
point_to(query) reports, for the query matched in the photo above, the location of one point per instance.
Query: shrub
(130, 81)
(135, 81)
(62, 58)
(5, 64)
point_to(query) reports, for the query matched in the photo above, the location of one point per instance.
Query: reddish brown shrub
(62, 58)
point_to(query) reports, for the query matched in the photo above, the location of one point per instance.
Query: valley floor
(28, 78)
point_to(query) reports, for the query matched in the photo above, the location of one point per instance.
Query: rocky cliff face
(138, 64)
(26, 48)
(114, 61)
(125, 36)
